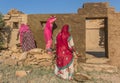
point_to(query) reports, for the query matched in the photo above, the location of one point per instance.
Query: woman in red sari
(64, 52)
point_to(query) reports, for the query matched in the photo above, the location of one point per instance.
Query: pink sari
(48, 32)
(26, 38)
(23, 28)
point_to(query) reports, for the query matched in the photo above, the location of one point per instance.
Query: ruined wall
(15, 16)
(112, 31)
(114, 36)
(13, 19)
(75, 22)
(94, 10)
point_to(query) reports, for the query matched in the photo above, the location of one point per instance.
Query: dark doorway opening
(15, 25)
(96, 37)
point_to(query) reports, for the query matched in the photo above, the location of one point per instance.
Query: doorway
(15, 28)
(96, 37)
(15, 25)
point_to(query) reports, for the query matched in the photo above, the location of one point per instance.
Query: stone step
(99, 67)
(97, 60)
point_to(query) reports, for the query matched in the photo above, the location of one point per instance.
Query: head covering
(65, 31)
(51, 19)
(23, 28)
(62, 37)
(48, 29)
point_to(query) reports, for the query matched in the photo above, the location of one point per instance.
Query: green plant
(2, 23)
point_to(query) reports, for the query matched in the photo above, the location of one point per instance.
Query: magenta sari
(26, 38)
(48, 32)
(23, 28)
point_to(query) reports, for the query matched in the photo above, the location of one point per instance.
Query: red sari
(63, 52)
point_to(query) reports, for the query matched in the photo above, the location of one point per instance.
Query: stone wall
(114, 37)
(94, 10)
(13, 19)
(95, 34)
(75, 22)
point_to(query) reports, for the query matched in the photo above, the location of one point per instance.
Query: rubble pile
(36, 57)
(15, 57)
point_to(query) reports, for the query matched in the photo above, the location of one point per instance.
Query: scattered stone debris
(21, 73)
(81, 77)
(84, 72)
(14, 56)
(38, 57)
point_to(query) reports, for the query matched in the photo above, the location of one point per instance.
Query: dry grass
(42, 75)
(36, 75)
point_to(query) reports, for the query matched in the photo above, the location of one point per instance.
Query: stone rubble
(37, 57)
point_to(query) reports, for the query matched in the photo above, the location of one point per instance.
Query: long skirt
(28, 42)
(49, 45)
(66, 73)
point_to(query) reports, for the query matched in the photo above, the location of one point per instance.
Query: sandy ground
(41, 75)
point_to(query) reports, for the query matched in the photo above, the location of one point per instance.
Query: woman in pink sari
(64, 54)
(26, 38)
(48, 34)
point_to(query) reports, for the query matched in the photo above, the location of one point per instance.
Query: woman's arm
(71, 45)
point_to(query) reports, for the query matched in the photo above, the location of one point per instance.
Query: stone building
(13, 19)
(95, 29)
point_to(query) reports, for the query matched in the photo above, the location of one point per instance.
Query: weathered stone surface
(98, 60)
(99, 67)
(77, 22)
(10, 61)
(14, 11)
(14, 48)
(81, 77)
(21, 73)
(36, 57)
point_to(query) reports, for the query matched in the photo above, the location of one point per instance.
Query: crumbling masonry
(95, 26)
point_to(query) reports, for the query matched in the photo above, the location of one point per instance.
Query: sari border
(62, 68)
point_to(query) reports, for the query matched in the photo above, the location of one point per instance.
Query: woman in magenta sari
(26, 38)
(48, 34)
(64, 54)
